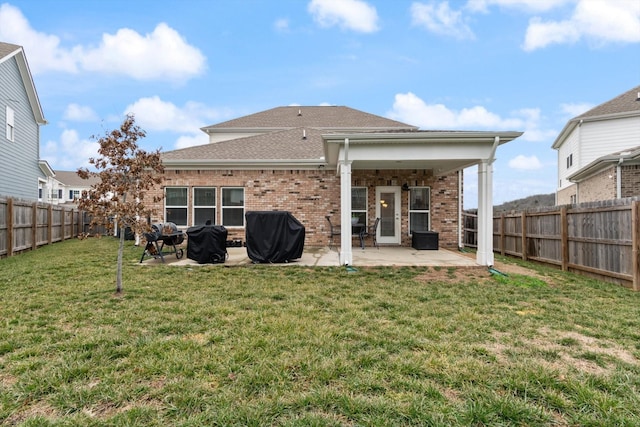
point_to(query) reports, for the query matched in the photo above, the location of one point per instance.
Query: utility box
(424, 240)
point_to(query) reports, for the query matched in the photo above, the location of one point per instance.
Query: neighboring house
(21, 173)
(599, 152)
(337, 161)
(69, 186)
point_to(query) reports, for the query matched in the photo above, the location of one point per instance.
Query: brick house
(316, 161)
(599, 152)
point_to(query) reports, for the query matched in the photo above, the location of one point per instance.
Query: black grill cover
(273, 236)
(207, 243)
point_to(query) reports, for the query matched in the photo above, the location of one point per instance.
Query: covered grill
(162, 235)
(273, 236)
(207, 244)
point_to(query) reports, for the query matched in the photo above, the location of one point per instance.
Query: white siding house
(597, 152)
(20, 120)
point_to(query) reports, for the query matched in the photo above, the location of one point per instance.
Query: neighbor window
(175, 209)
(74, 194)
(10, 124)
(569, 160)
(204, 205)
(233, 207)
(359, 204)
(419, 205)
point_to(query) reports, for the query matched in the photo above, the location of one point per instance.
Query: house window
(233, 207)
(204, 205)
(569, 160)
(74, 194)
(419, 209)
(573, 199)
(359, 204)
(40, 193)
(175, 209)
(10, 124)
(60, 194)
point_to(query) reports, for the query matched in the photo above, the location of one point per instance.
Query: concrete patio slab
(325, 257)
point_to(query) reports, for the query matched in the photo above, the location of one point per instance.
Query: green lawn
(296, 346)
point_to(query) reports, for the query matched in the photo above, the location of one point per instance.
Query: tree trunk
(119, 270)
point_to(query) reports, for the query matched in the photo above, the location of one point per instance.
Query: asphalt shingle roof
(7, 48)
(279, 145)
(71, 179)
(323, 117)
(624, 103)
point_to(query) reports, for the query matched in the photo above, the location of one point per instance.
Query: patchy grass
(297, 346)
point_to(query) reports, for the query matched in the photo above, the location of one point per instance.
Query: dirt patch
(477, 273)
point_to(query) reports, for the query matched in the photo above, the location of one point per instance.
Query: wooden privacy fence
(602, 238)
(26, 225)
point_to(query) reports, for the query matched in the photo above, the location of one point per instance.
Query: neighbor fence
(601, 239)
(26, 225)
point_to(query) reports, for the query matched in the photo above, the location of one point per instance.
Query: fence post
(635, 241)
(50, 224)
(564, 238)
(34, 226)
(9, 226)
(502, 236)
(524, 235)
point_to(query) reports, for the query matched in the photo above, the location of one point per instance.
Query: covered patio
(397, 256)
(441, 152)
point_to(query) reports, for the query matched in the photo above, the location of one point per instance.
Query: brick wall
(601, 186)
(310, 195)
(563, 197)
(630, 180)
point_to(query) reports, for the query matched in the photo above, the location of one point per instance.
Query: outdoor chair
(334, 230)
(372, 231)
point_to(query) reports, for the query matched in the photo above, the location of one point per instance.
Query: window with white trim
(419, 209)
(10, 119)
(204, 205)
(176, 205)
(359, 204)
(233, 206)
(74, 194)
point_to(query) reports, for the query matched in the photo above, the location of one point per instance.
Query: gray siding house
(21, 174)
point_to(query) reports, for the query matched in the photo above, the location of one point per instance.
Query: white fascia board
(27, 81)
(601, 164)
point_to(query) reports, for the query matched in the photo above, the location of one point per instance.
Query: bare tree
(125, 173)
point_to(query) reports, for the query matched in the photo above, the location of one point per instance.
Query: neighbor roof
(7, 51)
(71, 179)
(624, 157)
(321, 117)
(623, 105)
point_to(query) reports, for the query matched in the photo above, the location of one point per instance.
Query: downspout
(619, 178)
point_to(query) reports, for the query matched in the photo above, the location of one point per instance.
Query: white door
(388, 210)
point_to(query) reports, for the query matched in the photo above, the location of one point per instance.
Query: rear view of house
(21, 173)
(335, 161)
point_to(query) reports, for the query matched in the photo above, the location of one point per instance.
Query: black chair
(334, 230)
(372, 232)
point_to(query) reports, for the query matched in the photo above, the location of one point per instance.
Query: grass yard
(294, 346)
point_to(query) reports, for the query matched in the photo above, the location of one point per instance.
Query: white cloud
(191, 140)
(522, 162)
(440, 19)
(527, 5)
(573, 110)
(79, 113)
(597, 21)
(281, 25)
(161, 55)
(409, 108)
(155, 114)
(43, 51)
(70, 152)
(355, 15)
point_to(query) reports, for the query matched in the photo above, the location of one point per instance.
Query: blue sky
(524, 65)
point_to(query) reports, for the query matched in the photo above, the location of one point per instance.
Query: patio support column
(484, 255)
(346, 254)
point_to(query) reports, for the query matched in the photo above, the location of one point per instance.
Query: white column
(346, 255)
(484, 255)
